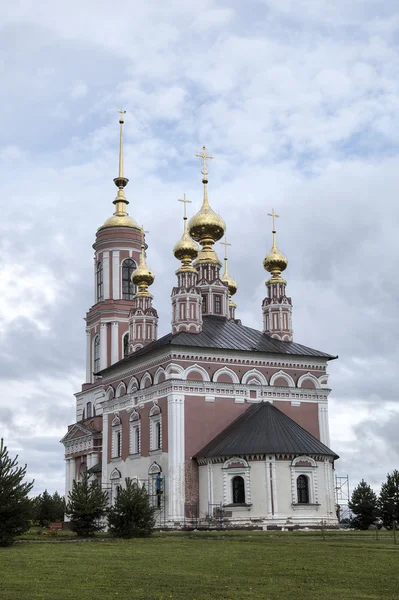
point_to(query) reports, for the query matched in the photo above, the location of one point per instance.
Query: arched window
(238, 490)
(88, 410)
(99, 274)
(126, 345)
(96, 361)
(128, 288)
(302, 487)
(158, 435)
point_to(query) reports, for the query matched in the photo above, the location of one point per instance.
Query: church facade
(224, 425)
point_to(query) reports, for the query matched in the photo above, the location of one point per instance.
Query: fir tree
(58, 507)
(131, 515)
(363, 504)
(87, 505)
(15, 506)
(389, 500)
(44, 507)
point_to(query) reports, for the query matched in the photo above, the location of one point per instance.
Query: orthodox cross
(225, 244)
(204, 158)
(273, 216)
(144, 232)
(185, 201)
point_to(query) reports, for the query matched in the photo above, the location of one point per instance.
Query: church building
(223, 424)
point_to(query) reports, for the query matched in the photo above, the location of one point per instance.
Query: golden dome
(143, 277)
(120, 218)
(275, 262)
(206, 227)
(226, 278)
(186, 250)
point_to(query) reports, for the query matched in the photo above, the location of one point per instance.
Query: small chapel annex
(223, 424)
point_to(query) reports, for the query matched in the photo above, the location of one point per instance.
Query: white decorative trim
(310, 377)
(258, 378)
(146, 377)
(157, 375)
(115, 275)
(228, 475)
(284, 375)
(323, 423)
(225, 371)
(176, 456)
(197, 369)
(133, 385)
(121, 388)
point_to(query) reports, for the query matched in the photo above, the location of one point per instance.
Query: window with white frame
(135, 433)
(128, 287)
(236, 482)
(96, 354)
(116, 478)
(116, 438)
(99, 278)
(304, 481)
(88, 410)
(126, 345)
(155, 428)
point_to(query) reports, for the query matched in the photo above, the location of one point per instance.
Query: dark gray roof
(97, 468)
(225, 334)
(264, 429)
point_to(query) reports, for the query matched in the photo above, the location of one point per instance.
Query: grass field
(211, 566)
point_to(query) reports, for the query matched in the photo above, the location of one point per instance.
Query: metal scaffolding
(342, 497)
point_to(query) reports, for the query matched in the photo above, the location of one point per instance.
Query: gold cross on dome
(273, 216)
(204, 159)
(121, 112)
(225, 244)
(185, 202)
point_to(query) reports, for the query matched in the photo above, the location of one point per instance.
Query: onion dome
(120, 218)
(226, 278)
(186, 250)
(206, 227)
(143, 277)
(275, 262)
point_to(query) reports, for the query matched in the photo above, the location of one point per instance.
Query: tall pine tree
(389, 500)
(15, 506)
(363, 504)
(131, 515)
(87, 505)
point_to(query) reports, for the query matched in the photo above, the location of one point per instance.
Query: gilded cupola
(206, 227)
(226, 277)
(120, 218)
(275, 262)
(143, 277)
(186, 250)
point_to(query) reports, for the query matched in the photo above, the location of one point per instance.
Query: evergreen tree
(87, 505)
(363, 504)
(44, 507)
(389, 500)
(58, 507)
(131, 515)
(15, 506)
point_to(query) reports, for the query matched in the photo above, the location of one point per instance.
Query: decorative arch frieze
(304, 461)
(159, 376)
(116, 474)
(116, 421)
(308, 377)
(281, 374)
(254, 377)
(235, 463)
(174, 371)
(133, 386)
(154, 469)
(120, 390)
(226, 371)
(197, 369)
(146, 381)
(110, 393)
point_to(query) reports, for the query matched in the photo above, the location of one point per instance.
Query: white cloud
(298, 101)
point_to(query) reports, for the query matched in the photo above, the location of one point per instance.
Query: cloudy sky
(298, 102)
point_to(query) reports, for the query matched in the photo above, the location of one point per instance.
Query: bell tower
(276, 307)
(206, 227)
(117, 252)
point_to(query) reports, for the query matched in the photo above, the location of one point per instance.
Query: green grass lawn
(215, 566)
